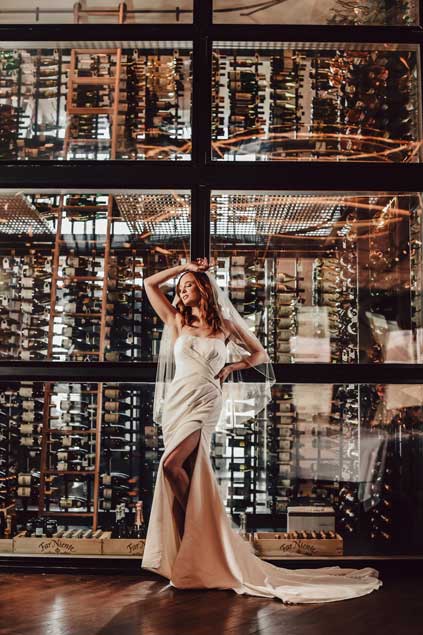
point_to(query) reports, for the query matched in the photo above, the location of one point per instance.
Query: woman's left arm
(257, 356)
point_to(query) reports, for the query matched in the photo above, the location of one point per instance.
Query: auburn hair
(207, 305)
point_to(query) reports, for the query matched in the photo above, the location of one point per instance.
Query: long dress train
(211, 554)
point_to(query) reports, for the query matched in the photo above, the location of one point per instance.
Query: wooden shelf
(72, 472)
(77, 110)
(90, 278)
(95, 51)
(75, 514)
(84, 81)
(71, 431)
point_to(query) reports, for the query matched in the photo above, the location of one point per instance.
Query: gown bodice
(199, 355)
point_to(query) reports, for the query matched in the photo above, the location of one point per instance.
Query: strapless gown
(211, 554)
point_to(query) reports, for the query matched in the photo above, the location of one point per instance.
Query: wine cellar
(290, 155)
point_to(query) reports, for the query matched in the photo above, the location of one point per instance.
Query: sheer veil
(245, 393)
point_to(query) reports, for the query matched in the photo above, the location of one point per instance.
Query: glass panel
(324, 277)
(96, 102)
(354, 12)
(50, 460)
(96, 12)
(279, 101)
(354, 449)
(72, 269)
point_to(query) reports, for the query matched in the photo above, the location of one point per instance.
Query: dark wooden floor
(66, 604)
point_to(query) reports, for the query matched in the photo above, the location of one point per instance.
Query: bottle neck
(139, 519)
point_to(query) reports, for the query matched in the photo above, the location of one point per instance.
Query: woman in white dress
(190, 539)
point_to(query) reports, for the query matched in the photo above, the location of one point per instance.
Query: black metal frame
(202, 175)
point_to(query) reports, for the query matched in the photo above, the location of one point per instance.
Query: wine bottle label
(28, 404)
(24, 479)
(26, 428)
(24, 491)
(27, 441)
(111, 405)
(73, 261)
(26, 391)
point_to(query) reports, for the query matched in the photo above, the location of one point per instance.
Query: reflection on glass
(72, 269)
(354, 449)
(96, 12)
(273, 102)
(94, 448)
(354, 12)
(96, 103)
(334, 278)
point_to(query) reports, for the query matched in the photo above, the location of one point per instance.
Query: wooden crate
(6, 545)
(276, 544)
(57, 546)
(123, 546)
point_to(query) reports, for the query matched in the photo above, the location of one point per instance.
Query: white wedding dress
(211, 554)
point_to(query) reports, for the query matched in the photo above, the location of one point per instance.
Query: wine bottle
(139, 530)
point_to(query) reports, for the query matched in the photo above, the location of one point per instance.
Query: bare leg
(179, 515)
(178, 470)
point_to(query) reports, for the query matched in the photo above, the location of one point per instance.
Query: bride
(190, 539)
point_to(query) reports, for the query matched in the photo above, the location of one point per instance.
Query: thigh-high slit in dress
(211, 554)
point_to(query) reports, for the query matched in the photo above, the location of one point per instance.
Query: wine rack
(352, 447)
(120, 12)
(88, 448)
(301, 103)
(95, 103)
(93, 96)
(87, 453)
(416, 280)
(71, 460)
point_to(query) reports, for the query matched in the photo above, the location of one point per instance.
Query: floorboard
(69, 604)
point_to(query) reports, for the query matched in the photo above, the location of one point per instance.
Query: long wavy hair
(207, 305)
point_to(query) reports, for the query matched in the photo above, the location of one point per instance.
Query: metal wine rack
(278, 103)
(95, 103)
(19, 216)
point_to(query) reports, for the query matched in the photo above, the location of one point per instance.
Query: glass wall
(342, 12)
(72, 270)
(324, 277)
(81, 455)
(96, 101)
(275, 101)
(96, 12)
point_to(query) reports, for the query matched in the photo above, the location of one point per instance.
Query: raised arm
(164, 309)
